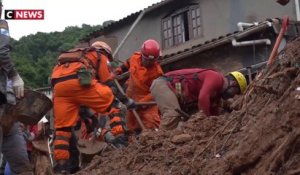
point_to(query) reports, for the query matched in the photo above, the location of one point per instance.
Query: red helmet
(150, 49)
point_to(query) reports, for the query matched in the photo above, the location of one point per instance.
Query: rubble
(182, 138)
(262, 136)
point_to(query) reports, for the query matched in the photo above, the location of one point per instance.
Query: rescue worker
(8, 70)
(186, 86)
(79, 79)
(13, 145)
(143, 68)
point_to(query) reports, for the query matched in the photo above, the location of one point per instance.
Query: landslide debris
(261, 137)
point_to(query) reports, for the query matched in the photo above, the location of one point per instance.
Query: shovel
(137, 117)
(41, 145)
(90, 147)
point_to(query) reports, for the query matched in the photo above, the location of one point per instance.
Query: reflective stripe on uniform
(117, 123)
(111, 116)
(59, 137)
(61, 147)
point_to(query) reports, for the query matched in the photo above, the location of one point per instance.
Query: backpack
(179, 84)
(82, 55)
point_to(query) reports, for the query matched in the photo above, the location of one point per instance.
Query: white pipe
(241, 25)
(269, 23)
(297, 10)
(249, 43)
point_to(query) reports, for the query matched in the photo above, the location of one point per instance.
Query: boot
(61, 169)
(170, 122)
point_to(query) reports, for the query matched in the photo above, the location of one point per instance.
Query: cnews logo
(24, 14)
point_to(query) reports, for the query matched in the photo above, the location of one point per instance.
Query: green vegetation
(35, 55)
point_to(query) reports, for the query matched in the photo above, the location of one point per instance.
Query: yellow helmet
(240, 78)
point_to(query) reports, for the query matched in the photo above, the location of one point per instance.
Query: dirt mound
(261, 137)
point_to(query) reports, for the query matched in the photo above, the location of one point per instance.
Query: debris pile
(261, 136)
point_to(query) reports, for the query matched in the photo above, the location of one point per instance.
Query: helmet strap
(231, 79)
(226, 94)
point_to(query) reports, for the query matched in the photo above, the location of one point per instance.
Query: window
(181, 26)
(167, 33)
(196, 23)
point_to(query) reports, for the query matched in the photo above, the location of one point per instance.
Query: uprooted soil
(262, 136)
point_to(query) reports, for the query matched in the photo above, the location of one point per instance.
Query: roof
(269, 24)
(211, 44)
(221, 40)
(177, 55)
(125, 20)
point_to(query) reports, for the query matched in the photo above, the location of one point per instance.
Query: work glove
(117, 71)
(18, 86)
(130, 104)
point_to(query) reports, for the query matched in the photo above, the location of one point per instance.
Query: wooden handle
(148, 103)
(136, 115)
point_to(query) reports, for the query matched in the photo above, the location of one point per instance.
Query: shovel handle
(49, 143)
(148, 103)
(136, 115)
(184, 116)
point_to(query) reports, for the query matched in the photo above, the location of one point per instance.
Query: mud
(40, 159)
(262, 136)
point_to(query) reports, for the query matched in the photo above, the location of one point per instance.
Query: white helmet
(103, 45)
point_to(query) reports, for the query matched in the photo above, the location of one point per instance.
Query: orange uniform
(69, 94)
(139, 84)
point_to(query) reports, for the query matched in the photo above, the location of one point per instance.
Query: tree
(35, 55)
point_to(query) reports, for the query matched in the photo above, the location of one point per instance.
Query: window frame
(183, 11)
(200, 34)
